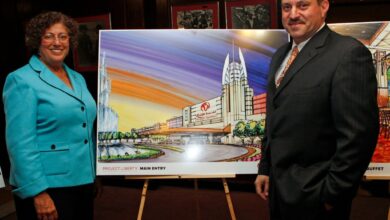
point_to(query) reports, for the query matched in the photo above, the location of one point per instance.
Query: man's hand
(45, 207)
(262, 186)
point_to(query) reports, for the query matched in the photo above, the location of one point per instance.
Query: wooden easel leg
(229, 199)
(143, 198)
(388, 214)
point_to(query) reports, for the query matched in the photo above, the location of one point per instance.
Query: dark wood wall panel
(134, 14)
(378, 11)
(163, 14)
(118, 15)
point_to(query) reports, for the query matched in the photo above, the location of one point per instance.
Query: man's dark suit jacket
(321, 125)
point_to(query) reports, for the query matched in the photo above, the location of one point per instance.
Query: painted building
(107, 117)
(213, 120)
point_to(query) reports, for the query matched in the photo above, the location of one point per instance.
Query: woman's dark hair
(37, 26)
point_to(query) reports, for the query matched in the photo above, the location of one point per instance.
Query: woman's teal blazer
(49, 129)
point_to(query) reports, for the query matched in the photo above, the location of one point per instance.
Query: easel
(146, 183)
(372, 177)
(382, 177)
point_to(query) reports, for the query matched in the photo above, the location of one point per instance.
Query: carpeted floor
(178, 199)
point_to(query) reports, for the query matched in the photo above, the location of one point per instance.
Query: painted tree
(121, 136)
(110, 137)
(127, 136)
(115, 136)
(250, 130)
(134, 134)
(100, 136)
(239, 131)
(260, 129)
(101, 143)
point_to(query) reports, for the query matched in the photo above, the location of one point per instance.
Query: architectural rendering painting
(376, 36)
(176, 102)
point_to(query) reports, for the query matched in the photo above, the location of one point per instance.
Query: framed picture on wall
(251, 14)
(195, 16)
(85, 56)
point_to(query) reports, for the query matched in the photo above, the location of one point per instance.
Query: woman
(49, 126)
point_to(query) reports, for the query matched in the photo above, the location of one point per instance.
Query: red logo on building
(205, 106)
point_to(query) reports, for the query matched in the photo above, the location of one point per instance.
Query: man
(322, 118)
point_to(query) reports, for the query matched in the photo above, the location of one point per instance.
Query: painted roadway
(190, 153)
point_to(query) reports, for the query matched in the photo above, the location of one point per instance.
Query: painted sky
(167, 70)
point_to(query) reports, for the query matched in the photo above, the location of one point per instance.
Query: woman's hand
(44, 206)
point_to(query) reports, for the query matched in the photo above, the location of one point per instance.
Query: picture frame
(195, 16)
(251, 14)
(169, 111)
(85, 56)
